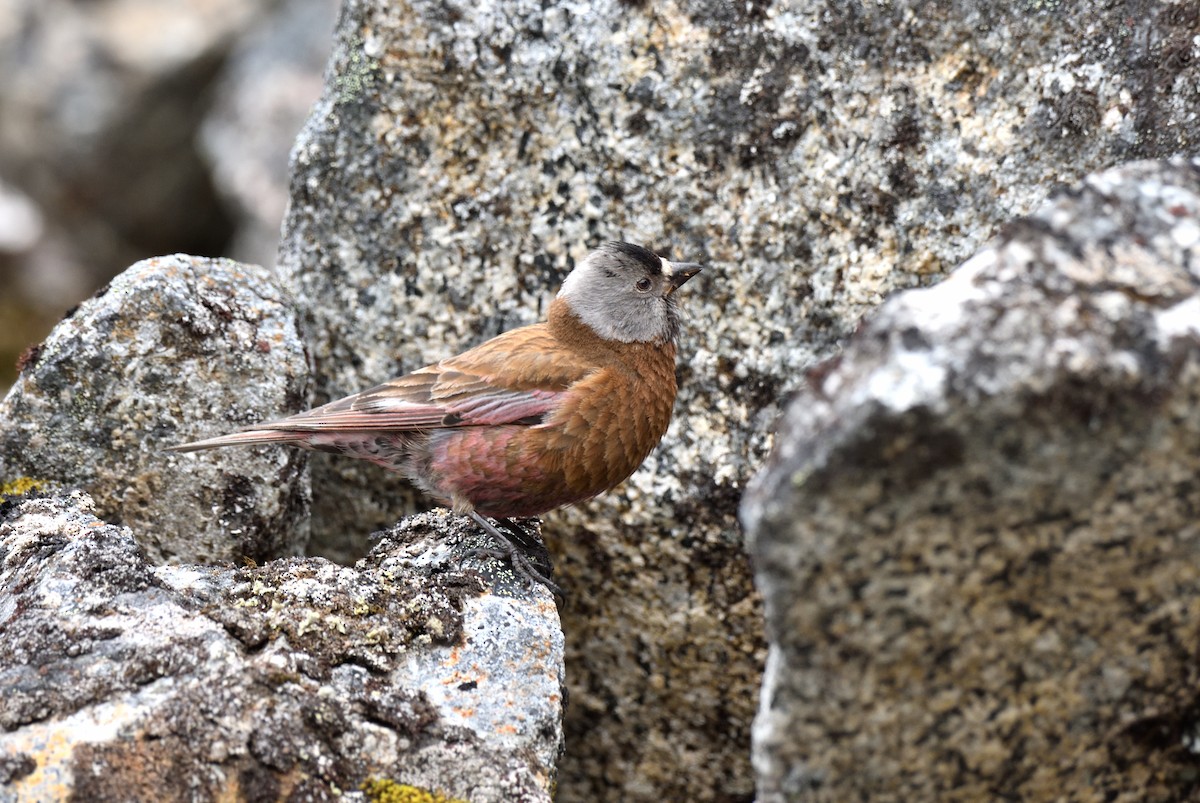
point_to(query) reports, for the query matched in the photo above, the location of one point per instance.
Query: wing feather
(520, 376)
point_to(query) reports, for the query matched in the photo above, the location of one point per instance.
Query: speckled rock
(173, 349)
(816, 156)
(977, 536)
(300, 679)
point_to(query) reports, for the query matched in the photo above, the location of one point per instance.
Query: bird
(539, 417)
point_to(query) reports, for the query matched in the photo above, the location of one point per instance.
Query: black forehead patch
(636, 253)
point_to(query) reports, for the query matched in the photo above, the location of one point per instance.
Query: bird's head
(625, 292)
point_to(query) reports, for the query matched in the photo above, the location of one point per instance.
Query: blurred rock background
(134, 128)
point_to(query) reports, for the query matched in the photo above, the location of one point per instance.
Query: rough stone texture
(977, 536)
(173, 349)
(816, 155)
(298, 680)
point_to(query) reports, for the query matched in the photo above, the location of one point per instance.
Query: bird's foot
(506, 549)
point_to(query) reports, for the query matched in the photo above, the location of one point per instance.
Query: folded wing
(518, 377)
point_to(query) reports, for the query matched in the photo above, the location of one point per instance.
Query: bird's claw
(505, 549)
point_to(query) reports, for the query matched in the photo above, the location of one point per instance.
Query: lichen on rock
(303, 678)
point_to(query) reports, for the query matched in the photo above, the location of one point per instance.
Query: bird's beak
(677, 273)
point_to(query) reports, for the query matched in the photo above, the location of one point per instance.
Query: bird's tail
(247, 438)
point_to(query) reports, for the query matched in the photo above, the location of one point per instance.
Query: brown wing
(519, 376)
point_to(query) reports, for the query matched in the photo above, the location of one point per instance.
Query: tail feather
(247, 438)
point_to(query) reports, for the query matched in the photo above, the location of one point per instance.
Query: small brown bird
(536, 418)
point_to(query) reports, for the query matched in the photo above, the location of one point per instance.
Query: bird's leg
(505, 548)
(519, 537)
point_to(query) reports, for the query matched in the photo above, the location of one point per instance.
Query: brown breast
(612, 419)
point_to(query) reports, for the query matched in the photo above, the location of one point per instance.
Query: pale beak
(677, 273)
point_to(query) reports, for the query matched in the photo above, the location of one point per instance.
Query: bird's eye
(642, 285)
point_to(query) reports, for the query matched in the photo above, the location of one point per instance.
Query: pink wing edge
(485, 409)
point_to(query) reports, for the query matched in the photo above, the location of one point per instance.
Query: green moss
(20, 486)
(380, 790)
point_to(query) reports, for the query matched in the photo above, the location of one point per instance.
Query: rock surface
(816, 156)
(174, 349)
(297, 680)
(977, 536)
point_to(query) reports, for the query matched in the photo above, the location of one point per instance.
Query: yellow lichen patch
(21, 485)
(380, 790)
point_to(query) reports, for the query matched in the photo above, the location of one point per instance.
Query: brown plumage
(539, 417)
